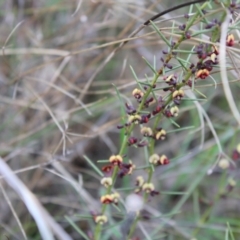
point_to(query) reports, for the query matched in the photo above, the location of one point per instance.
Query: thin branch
(223, 71)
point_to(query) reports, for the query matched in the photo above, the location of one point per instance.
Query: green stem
(97, 233)
(132, 228)
(208, 211)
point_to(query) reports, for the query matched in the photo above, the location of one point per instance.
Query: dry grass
(58, 103)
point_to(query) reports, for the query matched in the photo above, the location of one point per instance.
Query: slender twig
(222, 61)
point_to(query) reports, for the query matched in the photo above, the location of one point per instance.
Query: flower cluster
(110, 198)
(135, 118)
(171, 112)
(207, 56)
(123, 168)
(155, 159)
(146, 187)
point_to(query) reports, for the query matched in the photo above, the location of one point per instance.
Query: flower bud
(202, 73)
(101, 219)
(139, 181)
(137, 93)
(136, 119)
(148, 187)
(146, 132)
(160, 134)
(164, 160)
(115, 159)
(106, 199)
(230, 40)
(223, 163)
(154, 159)
(106, 182)
(174, 111)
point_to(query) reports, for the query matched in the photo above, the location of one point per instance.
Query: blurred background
(58, 103)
